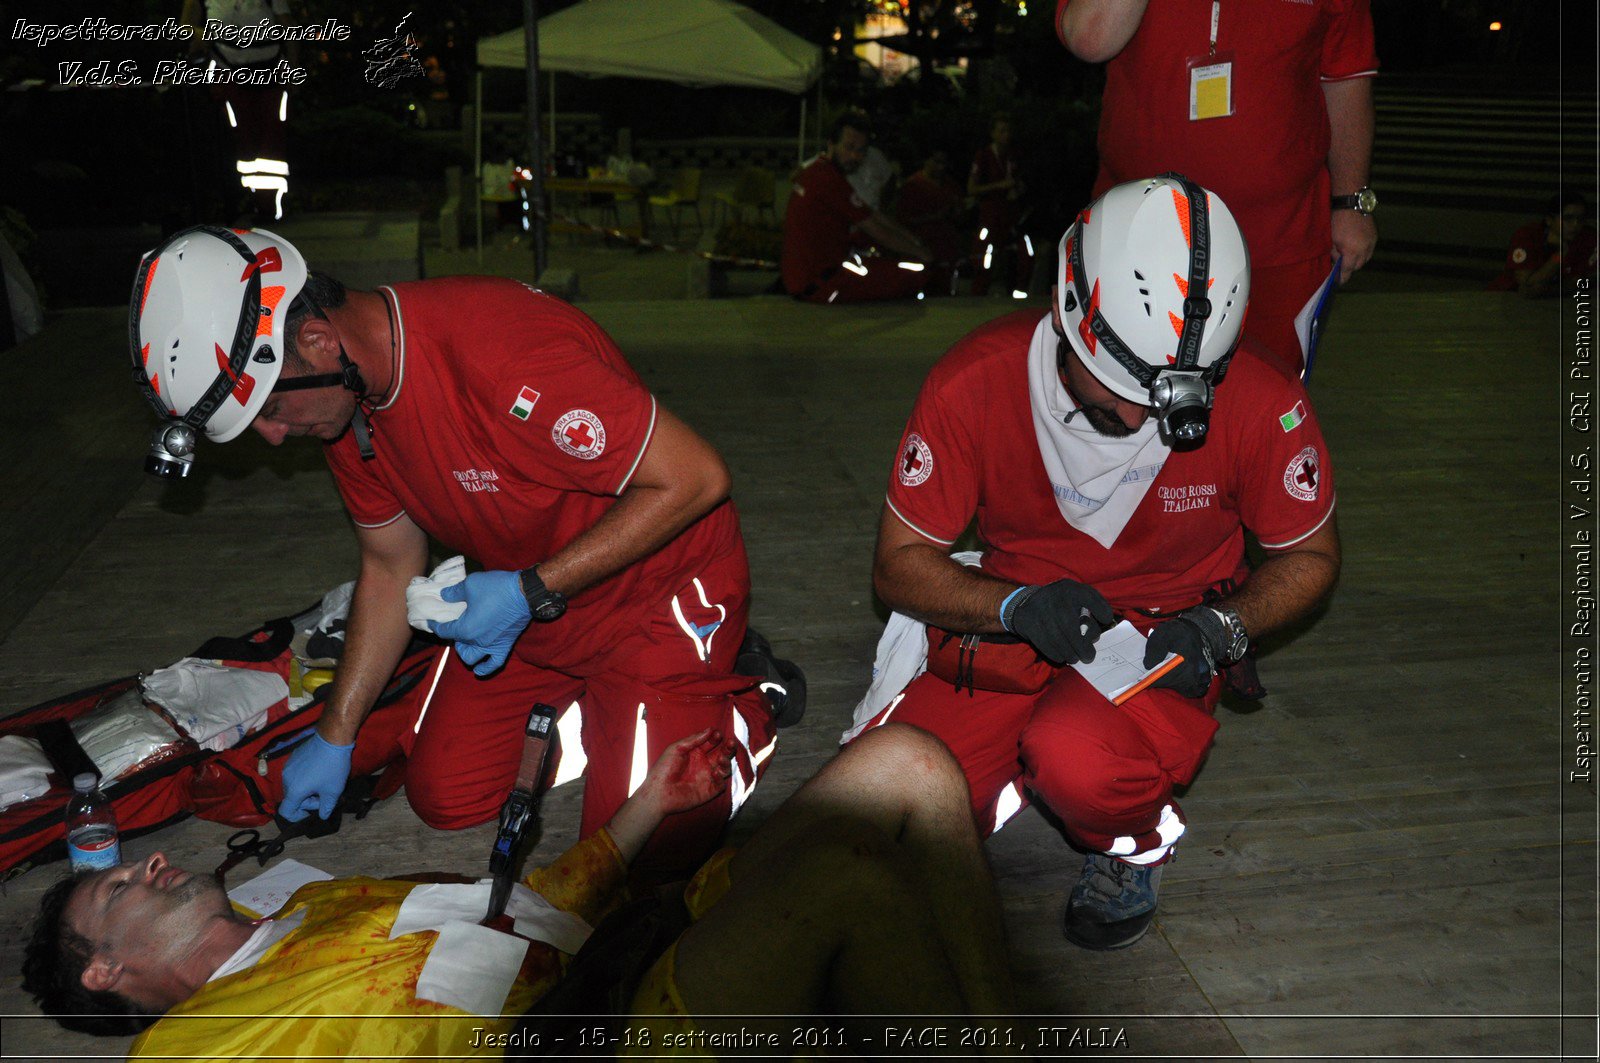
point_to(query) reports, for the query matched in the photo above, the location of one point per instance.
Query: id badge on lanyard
(1211, 77)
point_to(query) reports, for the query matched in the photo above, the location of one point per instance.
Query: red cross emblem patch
(580, 433)
(1304, 475)
(916, 461)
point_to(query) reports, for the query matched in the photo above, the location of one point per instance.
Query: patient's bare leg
(867, 891)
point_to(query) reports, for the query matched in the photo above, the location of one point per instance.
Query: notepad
(1118, 670)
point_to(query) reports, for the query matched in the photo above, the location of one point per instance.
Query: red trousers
(997, 236)
(256, 115)
(673, 678)
(1277, 295)
(884, 279)
(1106, 771)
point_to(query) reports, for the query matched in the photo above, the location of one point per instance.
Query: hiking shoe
(1113, 903)
(782, 681)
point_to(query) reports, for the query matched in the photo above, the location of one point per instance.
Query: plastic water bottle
(92, 842)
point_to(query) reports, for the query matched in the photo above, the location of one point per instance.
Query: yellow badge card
(1210, 87)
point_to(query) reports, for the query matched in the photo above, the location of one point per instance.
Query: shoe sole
(1096, 947)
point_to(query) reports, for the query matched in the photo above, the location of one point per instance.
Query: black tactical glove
(1061, 620)
(1198, 636)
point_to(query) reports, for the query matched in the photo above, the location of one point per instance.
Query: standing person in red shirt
(930, 206)
(827, 228)
(1112, 472)
(1266, 102)
(1544, 254)
(993, 182)
(507, 425)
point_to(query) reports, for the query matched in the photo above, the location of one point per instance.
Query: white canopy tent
(691, 42)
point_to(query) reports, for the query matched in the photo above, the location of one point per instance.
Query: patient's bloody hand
(690, 772)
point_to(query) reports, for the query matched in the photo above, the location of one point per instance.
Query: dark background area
(89, 159)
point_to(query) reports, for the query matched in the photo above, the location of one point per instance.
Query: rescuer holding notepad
(1112, 473)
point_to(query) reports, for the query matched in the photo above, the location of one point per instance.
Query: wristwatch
(1236, 642)
(545, 604)
(1363, 201)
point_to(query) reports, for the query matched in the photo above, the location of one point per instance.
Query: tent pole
(818, 132)
(530, 37)
(800, 143)
(552, 114)
(477, 169)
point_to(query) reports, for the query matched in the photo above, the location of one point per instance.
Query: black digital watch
(545, 604)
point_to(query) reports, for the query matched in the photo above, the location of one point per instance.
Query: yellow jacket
(337, 988)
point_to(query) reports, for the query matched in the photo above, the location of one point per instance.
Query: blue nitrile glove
(314, 778)
(496, 614)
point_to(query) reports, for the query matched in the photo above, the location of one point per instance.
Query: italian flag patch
(524, 404)
(1290, 420)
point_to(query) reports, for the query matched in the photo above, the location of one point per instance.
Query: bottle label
(94, 848)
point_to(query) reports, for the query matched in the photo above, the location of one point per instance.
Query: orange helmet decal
(144, 296)
(243, 383)
(270, 298)
(1181, 203)
(1088, 315)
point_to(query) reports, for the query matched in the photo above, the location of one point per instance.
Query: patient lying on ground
(866, 893)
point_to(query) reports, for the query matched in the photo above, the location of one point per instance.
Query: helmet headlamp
(171, 451)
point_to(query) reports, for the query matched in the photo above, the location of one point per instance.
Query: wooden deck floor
(1382, 859)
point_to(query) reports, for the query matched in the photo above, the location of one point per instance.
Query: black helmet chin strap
(348, 377)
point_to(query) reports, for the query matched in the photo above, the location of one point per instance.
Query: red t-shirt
(989, 166)
(929, 209)
(970, 449)
(817, 232)
(514, 424)
(1530, 249)
(1267, 160)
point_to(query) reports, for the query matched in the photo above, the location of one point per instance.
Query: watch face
(550, 609)
(1366, 201)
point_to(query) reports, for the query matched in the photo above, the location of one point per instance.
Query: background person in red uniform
(508, 426)
(1063, 436)
(1544, 254)
(827, 227)
(993, 182)
(930, 206)
(1287, 87)
(256, 114)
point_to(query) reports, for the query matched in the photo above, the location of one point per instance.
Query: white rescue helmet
(1151, 286)
(206, 324)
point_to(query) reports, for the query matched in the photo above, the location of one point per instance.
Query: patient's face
(146, 917)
